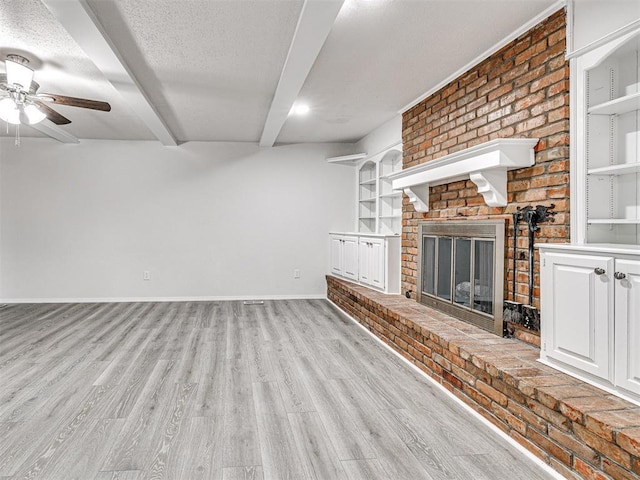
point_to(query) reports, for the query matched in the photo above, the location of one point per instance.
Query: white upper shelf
(486, 165)
(619, 106)
(347, 158)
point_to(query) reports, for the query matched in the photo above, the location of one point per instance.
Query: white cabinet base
(627, 338)
(371, 260)
(590, 314)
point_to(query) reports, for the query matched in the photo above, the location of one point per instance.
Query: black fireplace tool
(532, 217)
(512, 308)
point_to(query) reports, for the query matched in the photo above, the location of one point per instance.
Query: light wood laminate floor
(222, 390)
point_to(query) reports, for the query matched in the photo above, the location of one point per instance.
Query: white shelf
(486, 165)
(367, 218)
(621, 169)
(347, 158)
(619, 106)
(368, 182)
(368, 200)
(613, 221)
(391, 195)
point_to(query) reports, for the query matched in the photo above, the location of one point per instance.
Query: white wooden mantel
(486, 165)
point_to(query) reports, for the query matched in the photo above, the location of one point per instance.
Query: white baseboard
(162, 299)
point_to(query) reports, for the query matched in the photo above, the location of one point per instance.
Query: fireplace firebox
(461, 270)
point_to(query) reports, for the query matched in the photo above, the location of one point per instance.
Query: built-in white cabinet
(627, 326)
(369, 259)
(344, 256)
(371, 255)
(590, 311)
(590, 289)
(606, 152)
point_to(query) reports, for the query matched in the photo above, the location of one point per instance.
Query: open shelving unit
(390, 201)
(367, 197)
(608, 134)
(379, 206)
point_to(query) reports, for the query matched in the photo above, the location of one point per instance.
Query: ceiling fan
(23, 105)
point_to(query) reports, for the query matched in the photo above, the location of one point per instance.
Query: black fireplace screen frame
(482, 231)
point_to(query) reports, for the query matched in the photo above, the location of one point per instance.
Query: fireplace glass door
(460, 272)
(483, 276)
(460, 269)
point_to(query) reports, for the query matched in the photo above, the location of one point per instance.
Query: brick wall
(520, 91)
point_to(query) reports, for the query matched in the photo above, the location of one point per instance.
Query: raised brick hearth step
(580, 430)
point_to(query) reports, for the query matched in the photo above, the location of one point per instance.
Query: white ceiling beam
(315, 23)
(79, 20)
(51, 130)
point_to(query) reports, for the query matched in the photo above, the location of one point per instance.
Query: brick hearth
(578, 429)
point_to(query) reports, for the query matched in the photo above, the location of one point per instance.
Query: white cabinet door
(377, 262)
(627, 325)
(350, 257)
(371, 263)
(364, 262)
(577, 311)
(336, 249)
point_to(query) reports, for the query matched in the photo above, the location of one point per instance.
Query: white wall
(387, 135)
(208, 220)
(592, 19)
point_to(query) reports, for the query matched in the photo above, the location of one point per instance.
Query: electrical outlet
(296, 273)
(146, 275)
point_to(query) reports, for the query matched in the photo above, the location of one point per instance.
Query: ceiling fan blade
(51, 114)
(75, 102)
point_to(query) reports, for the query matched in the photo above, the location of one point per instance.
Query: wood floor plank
(431, 450)
(32, 343)
(84, 455)
(280, 456)
(241, 443)
(289, 338)
(66, 384)
(314, 447)
(165, 442)
(210, 391)
(45, 456)
(258, 352)
(199, 456)
(235, 333)
(189, 360)
(368, 469)
(242, 473)
(130, 350)
(131, 448)
(134, 375)
(394, 456)
(345, 437)
(294, 393)
(120, 475)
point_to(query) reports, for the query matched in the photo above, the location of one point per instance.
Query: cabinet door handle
(599, 271)
(619, 275)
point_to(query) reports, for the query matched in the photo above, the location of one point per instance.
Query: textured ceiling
(210, 67)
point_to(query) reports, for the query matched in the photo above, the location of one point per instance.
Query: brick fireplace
(520, 91)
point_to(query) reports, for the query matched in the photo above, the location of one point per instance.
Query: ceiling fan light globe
(9, 111)
(34, 114)
(18, 74)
